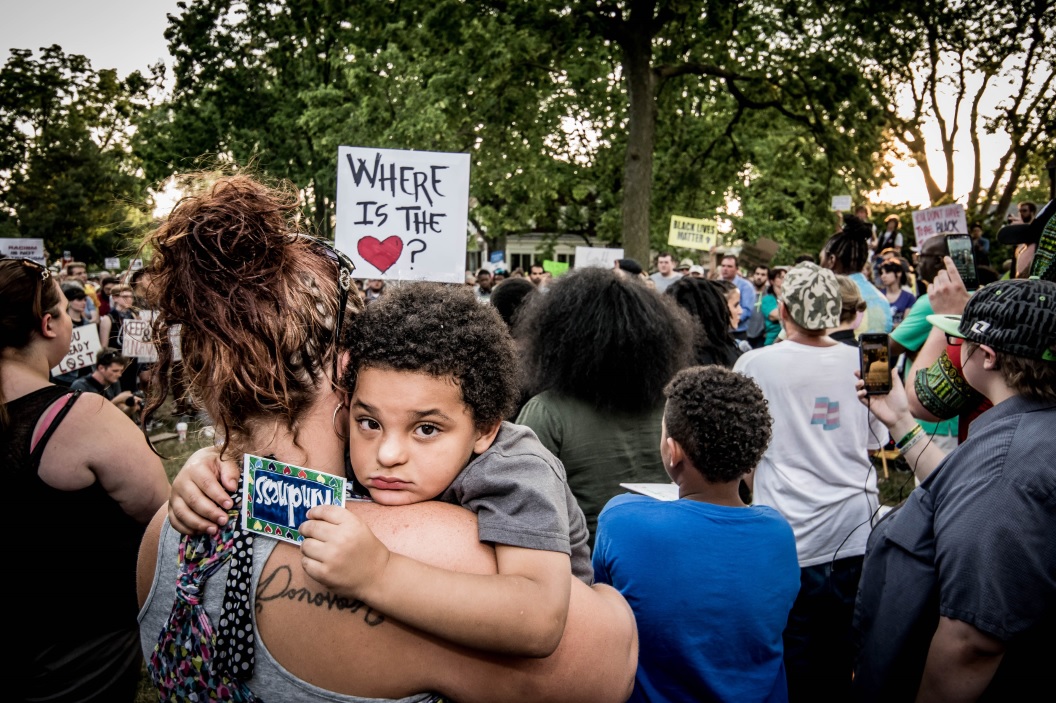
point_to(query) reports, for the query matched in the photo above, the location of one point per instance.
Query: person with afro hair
(709, 619)
(432, 376)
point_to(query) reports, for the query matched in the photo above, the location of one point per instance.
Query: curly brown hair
(255, 299)
(443, 331)
(720, 418)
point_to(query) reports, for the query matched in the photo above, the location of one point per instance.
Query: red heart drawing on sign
(381, 255)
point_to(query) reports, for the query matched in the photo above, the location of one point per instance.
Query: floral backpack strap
(191, 660)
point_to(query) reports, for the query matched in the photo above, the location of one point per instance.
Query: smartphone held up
(874, 353)
(960, 248)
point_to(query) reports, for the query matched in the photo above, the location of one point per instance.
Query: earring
(333, 421)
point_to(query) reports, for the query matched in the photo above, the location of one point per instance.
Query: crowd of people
(489, 548)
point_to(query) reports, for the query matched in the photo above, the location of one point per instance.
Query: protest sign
(841, 203)
(84, 345)
(555, 268)
(497, 257)
(276, 497)
(597, 257)
(942, 220)
(401, 215)
(760, 253)
(136, 340)
(23, 248)
(688, 233)
(135, 264)
(112, 263)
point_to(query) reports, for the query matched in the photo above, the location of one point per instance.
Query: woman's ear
(47, 325)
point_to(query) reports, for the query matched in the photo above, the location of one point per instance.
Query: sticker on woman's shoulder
(277, 497)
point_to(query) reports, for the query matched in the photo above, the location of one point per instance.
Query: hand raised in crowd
(890, 409)
(947, 293)
(200, 492)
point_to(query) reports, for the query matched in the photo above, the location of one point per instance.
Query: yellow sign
(692, 234)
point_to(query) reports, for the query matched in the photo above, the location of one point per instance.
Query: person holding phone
(817, 473)
(956, 593)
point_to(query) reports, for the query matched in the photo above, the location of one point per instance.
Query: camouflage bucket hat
(812, 296)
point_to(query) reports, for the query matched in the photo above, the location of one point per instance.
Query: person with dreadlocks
(713, 341)
(846, 253)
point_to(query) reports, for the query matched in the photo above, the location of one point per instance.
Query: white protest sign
(112, 263)
(174, 340)
(945, 219)
(841, 203)
(136, 339)
(136, 264)
(401, 215)
(84, 345)
(18, 248)
(597, 257)
(688, 233)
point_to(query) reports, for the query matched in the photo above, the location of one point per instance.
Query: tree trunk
(641, 134)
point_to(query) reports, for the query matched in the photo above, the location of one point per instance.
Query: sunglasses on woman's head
(345, 267)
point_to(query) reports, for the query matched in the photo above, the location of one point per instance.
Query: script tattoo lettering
(276, 585)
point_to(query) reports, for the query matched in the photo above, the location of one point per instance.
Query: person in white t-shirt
(817, 473)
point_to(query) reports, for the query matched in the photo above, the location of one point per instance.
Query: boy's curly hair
(440, 330)
(720, 418)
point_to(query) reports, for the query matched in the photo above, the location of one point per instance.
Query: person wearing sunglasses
(82, 483)
(261, 309)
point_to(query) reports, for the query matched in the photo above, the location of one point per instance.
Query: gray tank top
(270, 682)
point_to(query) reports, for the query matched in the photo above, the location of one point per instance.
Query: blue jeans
(819, 648)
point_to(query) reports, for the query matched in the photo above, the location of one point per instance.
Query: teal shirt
(772, 328)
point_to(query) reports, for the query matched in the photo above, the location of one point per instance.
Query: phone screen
(960, 246)
(876, 369)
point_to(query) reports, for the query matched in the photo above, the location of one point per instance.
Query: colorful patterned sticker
(277, 496)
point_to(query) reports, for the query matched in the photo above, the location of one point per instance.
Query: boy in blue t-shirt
(711, 580)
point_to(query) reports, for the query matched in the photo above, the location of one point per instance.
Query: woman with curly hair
(713, 341)
(690, 603)
(261, 307)
(846, 254)
(597, 351)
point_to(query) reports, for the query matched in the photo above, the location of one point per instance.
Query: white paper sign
(660, 491)
(942, 220)
(84, 345)
(112, 263)
(19, 248)
(136, 338)
(597, 257)
(401, 215)
(136, 264)
(841, 203)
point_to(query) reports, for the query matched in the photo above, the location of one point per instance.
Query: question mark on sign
(415, 252)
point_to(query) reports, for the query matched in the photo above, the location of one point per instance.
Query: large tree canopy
(66, 171)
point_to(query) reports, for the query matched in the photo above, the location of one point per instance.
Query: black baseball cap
(1017, 317)
(629, 265)
(1027, 233)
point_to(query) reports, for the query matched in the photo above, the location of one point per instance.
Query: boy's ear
(676, 454)
(485, 437)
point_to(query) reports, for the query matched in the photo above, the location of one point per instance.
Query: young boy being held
(432, 375)
(710, 580)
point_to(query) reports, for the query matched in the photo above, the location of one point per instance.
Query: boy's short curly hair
(439, 330)
(720, 418)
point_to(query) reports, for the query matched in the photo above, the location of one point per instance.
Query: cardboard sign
(136, 338)
(761, 253)
(942, 220)
(276, 497)
(597, 257)
(555, 268)
(112, 263)
(841, 203)
(402, 215)
(18, 248)
(688, 233)
(84, 345)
